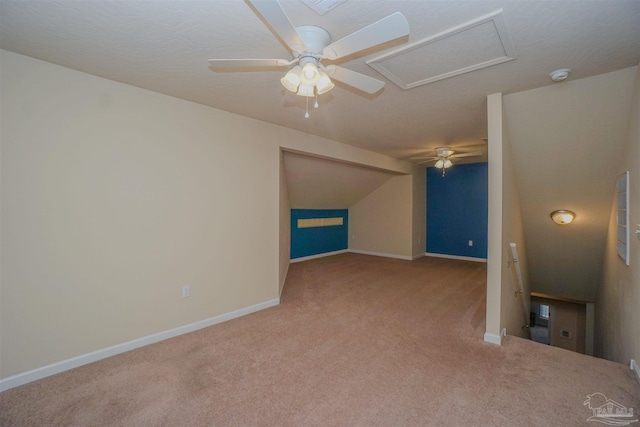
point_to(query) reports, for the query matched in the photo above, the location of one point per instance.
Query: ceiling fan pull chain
(306, 113)
(316, 104)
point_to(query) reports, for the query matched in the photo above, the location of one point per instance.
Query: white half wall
(505, 312)
(494, 232)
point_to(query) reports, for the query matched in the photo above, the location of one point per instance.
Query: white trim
(322, 255)
(463, 258)
(405, 257)
(355, 251)
(492, 338)
(74, 362)
(636, 370)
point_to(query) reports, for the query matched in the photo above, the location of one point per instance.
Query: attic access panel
(477, 44)
(322, 6)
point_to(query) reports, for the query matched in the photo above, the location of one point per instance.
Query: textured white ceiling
(164, 46)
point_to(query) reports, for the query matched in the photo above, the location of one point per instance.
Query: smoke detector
(560, 75)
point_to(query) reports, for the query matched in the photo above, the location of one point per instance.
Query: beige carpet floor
(356, 341)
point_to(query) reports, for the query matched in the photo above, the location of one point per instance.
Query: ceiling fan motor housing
(444, 152)
(315, 39)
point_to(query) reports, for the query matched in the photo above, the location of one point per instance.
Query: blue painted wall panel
(457, 210)
(318, 240)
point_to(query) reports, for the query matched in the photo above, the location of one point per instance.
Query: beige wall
(114, 198)
(382, 223)
(618, 303)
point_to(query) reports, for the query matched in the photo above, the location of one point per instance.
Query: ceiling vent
(322, 6)
(477, 44)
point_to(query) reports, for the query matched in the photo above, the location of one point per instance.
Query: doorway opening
(539, 322)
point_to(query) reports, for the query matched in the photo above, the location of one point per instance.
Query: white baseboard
(355, 251)
(307, 258)
(75, 362)
(492, 338)
(636, 370)
(462, 258)
(405, 257)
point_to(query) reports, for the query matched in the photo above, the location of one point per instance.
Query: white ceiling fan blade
(475, 153)
(427, 161)
(382, 31)
(274, 15)
(354, 79)
(247, 63)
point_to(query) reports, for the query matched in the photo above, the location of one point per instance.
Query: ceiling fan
(443, 157)
(309, 45)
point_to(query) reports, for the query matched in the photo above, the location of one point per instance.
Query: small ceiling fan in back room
(443, 158)
(310, 45)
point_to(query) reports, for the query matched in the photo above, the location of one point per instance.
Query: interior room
(319, 213)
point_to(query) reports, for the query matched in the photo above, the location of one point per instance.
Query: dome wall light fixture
(562, 216)
(560, 75)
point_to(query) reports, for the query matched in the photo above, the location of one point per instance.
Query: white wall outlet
(186, 291)
(470, 242)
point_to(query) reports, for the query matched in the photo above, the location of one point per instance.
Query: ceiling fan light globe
(288, 85)
(291, 80)
(310, 74)
(447, 164)
(305, 90)
(325, 84)
(439, 164)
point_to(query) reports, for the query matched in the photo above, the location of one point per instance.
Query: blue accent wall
(457, 210)
(318, 240)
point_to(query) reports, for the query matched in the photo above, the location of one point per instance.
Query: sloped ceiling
(567, 141)
(317, 183)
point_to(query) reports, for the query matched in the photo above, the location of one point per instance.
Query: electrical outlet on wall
(566, 334)
(186, 291)
(470, 242)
